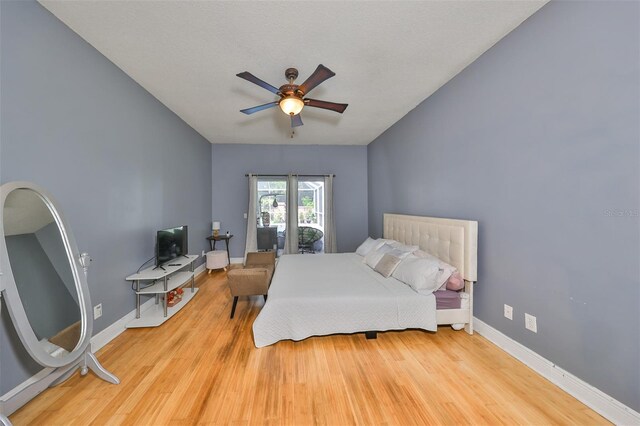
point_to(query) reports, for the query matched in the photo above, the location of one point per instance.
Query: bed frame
(451, 240)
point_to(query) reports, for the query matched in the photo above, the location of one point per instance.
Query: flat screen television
(170, 244)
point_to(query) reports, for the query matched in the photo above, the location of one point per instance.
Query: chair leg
(233, 308)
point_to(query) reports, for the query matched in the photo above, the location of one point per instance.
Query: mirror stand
(87, 362)
(91, 363)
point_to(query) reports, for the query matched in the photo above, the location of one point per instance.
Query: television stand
(160, 282)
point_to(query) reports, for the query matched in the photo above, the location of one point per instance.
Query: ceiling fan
(292, 96)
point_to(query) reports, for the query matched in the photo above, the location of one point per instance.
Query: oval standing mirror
(41, 265)
(43, 284)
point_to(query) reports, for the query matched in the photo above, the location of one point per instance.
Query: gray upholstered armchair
(254, 278)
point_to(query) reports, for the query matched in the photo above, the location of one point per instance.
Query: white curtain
(291, 240)
(251, 243)
(330, 245)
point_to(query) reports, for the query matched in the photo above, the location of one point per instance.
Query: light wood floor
(202, 367)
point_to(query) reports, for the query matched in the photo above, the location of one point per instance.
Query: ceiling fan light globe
(291, 105)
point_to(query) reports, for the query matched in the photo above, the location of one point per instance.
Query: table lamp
(216, 228)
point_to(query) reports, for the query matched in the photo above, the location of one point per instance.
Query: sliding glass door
(271, 215)
(310, 215)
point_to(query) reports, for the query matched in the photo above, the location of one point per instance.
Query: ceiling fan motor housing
(290, 90)
(291, 73)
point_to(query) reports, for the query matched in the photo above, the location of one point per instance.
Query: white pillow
(446, 270)
(407, 248)
(368, 245)
(419, 273)
(387, 265)
(374, 256)
(382, 241)
(399, 253)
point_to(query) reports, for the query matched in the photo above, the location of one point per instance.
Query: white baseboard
(99, 340)
(237, 260)
(199, 270)
(608, 407)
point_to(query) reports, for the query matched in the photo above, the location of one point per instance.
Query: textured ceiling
(387, 56)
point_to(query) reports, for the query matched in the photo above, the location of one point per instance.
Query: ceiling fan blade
(255, 80)
(321, 74)
(296, 120)
(258, 108)
(326, 105)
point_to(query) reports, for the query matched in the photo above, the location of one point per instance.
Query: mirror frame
(12, 296)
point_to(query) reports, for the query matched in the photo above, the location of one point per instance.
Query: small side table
(221, 237)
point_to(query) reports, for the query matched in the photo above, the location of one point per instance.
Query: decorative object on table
(216, 228)
(174, 297)
(266, 219)
(228, 234)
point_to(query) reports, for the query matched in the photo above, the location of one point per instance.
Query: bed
(315, 295)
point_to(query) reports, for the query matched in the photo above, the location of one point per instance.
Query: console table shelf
(154, 316)
(176, 280)
(162, 281)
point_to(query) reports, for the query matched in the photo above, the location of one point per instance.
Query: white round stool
(217, 259)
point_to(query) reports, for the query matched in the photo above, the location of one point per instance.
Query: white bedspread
(315, 295)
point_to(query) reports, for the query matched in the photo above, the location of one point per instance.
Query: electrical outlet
(203, 253)
(246, 216)
(530, 323)
(97, 311)
(508, 312)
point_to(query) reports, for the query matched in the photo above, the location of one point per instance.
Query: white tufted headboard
(451, 240)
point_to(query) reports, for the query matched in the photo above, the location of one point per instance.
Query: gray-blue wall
(538, 140)
(231, 191)
(119, 163)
